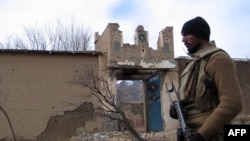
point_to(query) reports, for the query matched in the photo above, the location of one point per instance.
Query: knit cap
(197, 27)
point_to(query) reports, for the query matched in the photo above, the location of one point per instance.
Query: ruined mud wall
(62, 127)
(138, 55)
(135, 115)
(243, 71)
(41, 102)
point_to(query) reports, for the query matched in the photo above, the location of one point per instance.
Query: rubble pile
(121, 136)
(81, 135)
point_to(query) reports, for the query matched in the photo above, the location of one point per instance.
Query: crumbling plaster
(43, 105)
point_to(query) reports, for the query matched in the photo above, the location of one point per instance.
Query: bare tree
(99, 86)
(56, 36)
(13, 42)
(7, 117)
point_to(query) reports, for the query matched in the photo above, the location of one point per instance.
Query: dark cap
(197, 27)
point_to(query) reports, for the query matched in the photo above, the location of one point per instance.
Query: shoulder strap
(198, 66)
(196, 69)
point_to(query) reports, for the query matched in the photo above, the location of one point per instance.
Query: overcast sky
(229, 20)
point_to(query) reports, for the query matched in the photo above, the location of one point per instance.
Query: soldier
(209, 87)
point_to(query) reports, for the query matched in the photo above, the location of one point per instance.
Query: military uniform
(210, 92)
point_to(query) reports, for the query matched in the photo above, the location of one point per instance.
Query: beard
(192, 49)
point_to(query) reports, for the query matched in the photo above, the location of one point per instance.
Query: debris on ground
(121, 136)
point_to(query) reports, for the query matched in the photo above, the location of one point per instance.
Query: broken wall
(243, 71)
(139, 54)
(37, 92)
(135, 116)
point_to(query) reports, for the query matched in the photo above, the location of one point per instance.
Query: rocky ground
(125, 136)
(122, 136)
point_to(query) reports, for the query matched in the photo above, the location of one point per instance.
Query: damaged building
(43, 103)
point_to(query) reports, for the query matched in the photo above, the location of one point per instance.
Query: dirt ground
(122, 136)
(81, 135)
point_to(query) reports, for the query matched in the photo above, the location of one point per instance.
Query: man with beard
(209, 87)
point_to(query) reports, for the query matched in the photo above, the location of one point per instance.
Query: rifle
(183, 132)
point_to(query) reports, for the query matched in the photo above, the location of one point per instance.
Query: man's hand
(196, 137)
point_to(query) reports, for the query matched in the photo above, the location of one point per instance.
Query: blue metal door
(154, 104)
